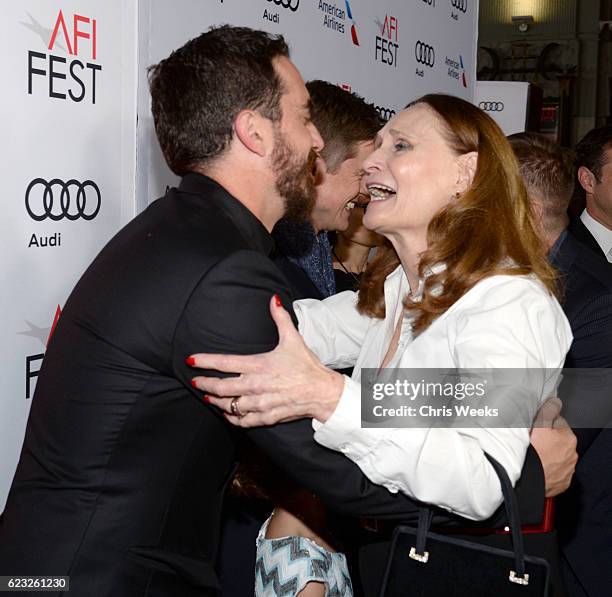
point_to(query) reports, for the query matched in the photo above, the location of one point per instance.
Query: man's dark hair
(590, 151)
(343, 119)
(197, 92)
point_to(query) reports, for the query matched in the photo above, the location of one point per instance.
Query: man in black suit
(594, 173)
(584, 514)
(123, 467)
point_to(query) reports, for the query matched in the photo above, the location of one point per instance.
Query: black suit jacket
(123, 467)
(585, 511)
(583, 235)
(301, 285)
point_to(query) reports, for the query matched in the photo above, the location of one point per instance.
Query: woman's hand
(285, 384)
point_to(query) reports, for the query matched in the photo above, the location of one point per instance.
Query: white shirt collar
(602, 235)
(398, 279)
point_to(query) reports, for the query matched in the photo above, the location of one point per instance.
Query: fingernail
(277, 300)
(190, 361)
(194, 383)
(206, 399)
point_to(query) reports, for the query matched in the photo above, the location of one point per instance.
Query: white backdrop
(389, 51)
(68, 116)
(506, 102)
(383, 68)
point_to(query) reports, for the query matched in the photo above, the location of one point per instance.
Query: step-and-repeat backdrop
(79, 153)
(388, 51)
(68, 107)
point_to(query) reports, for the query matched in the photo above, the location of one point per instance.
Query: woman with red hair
(462, 283)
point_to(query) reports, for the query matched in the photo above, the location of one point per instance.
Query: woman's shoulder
(512, 293)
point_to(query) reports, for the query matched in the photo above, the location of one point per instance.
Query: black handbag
(426, 564)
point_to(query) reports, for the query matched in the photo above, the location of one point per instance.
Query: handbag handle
(517, 576)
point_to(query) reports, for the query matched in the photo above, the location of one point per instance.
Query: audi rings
(424, 54)
(491, 106)
(385, 113)
(292, 5)
(76, 199)
(460, 5)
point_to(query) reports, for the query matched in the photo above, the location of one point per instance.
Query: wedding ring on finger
(235, 408)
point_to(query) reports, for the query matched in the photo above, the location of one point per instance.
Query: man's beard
(295, 181)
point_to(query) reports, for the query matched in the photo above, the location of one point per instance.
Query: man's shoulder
(586, 273)
(583, 235)
(301, 284)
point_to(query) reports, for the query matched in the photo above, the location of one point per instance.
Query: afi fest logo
(491, 106)
(385, 49)
(44, 335)
(66, 78)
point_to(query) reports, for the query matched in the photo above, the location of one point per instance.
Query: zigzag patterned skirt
(286, 565)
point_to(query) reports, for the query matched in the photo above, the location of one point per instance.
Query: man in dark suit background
(594, 173)
(123, 467)
(585, 512)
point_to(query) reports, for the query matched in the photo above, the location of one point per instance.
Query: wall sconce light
(523, 22)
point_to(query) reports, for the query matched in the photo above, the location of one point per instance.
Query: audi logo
(385, 113)
(424, 54)
(459, 5)
(57, 199)
(491, 106)
(292, 5)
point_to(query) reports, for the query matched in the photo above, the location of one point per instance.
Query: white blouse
(502, 322)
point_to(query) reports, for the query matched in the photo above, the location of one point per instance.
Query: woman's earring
(457, 195)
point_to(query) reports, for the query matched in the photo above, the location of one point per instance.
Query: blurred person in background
(352, 248)
(584, 513)
(594, 165)
(348, 126)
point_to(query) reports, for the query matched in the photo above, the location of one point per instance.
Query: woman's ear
(250, 131)
(468, 162)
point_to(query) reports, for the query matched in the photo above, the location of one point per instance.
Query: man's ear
(586, 179)
(468, 162)
(249, 127)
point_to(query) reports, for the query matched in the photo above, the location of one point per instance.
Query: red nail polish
(190, 361)
(193, 383)
(278, 301)
(206, 399)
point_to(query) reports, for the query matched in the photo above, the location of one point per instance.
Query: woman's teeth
(380, 192)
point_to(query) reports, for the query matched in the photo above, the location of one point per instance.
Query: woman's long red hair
(486, 231)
